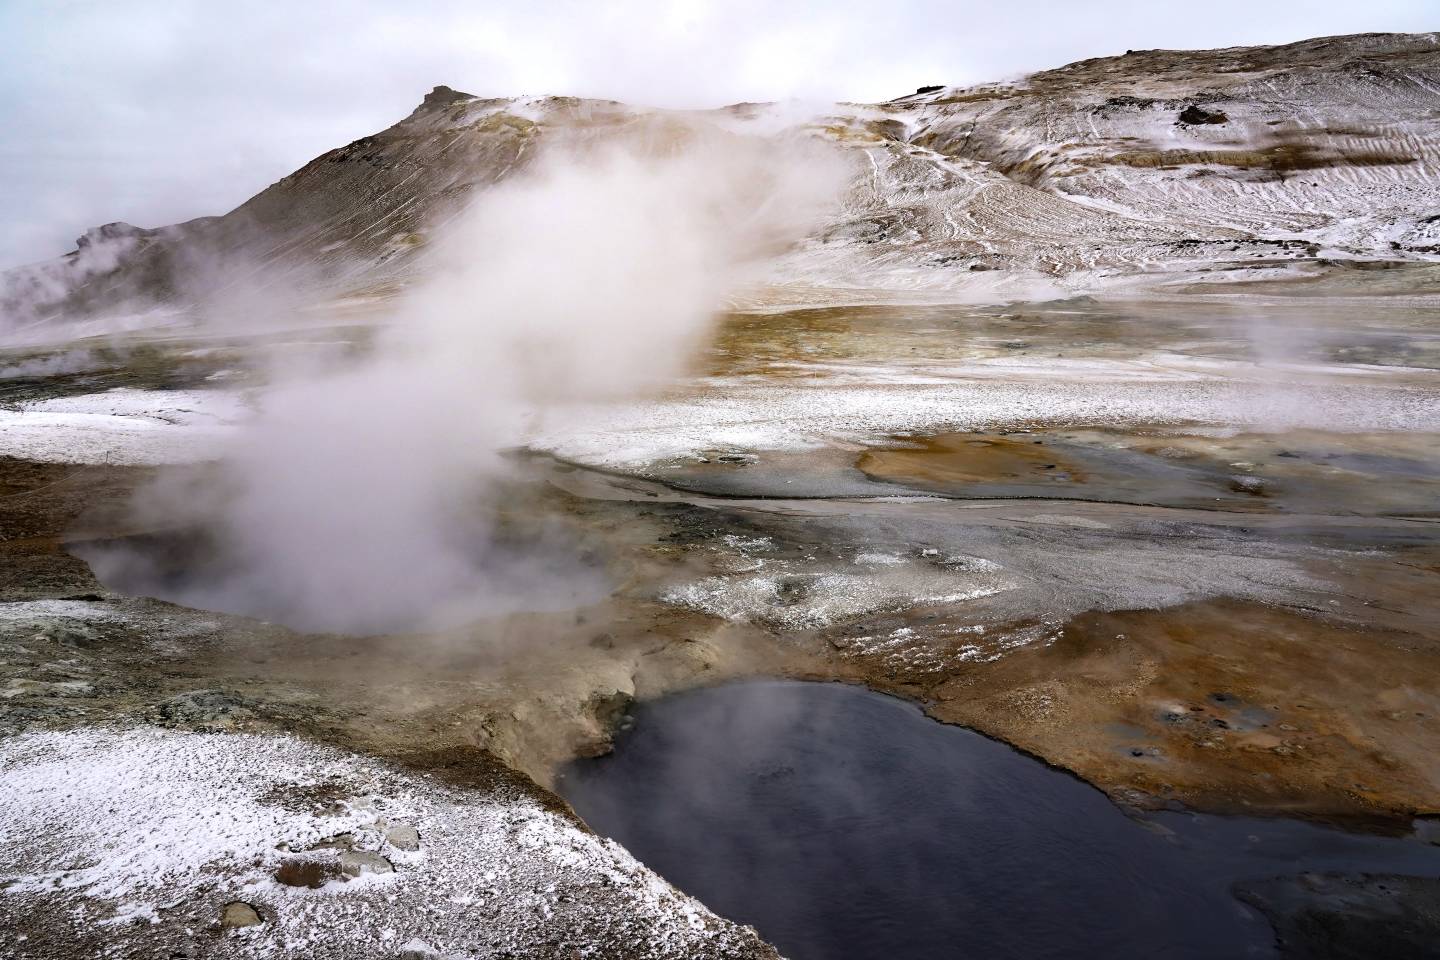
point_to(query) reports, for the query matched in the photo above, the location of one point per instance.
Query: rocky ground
(1229, 609)
(143, 842)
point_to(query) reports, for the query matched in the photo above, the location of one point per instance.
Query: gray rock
(68, 633)
(356, 862)
(341, 841)
(205, 710)
(24, 687)
(403, 836)
(239, 914)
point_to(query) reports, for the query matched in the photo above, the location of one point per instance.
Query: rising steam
(363, 496)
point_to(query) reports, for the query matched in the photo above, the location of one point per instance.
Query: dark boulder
(1194, 115)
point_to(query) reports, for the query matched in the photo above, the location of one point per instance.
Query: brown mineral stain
(1226, 705)
(959, 459)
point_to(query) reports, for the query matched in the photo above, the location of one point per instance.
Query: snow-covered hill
(1090, 175)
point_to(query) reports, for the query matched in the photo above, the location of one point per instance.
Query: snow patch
(111, 826)
(123, 426)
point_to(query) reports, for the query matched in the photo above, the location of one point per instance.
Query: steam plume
(358, 498)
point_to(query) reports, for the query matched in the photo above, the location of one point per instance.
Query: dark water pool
(845, 824)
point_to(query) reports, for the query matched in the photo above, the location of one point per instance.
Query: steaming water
(542, 574)
(845, 824)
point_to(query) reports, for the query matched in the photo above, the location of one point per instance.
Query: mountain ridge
(1075, 176)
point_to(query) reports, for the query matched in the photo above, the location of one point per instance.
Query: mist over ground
(364, 497)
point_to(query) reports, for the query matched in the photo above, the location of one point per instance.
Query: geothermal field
(1002, 522)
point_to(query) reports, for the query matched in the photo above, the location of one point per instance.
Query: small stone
(403, 836)
(356, 862)
(239, 914)
(341, 841)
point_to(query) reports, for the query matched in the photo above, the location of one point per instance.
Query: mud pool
(844, 823)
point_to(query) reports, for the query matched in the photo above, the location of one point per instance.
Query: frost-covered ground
(122, 427)
(817, 405)
(859, 406)
(133, 842)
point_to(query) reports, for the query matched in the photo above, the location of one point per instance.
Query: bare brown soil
(952, 459)
(1223, 705)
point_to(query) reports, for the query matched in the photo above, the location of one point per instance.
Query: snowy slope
(1154, 161)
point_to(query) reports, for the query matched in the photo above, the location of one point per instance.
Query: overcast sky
(154, 111)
